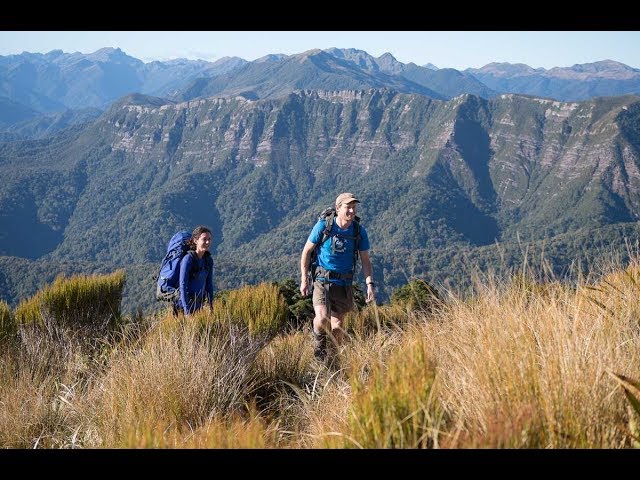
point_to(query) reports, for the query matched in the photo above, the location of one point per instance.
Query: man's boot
(320, 345)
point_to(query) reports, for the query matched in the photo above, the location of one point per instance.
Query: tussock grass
(35, 409)
(8, 326)
(87, 302)
(374, 318)
(64, 329)
(286, 359)
(220, 433)
(260, 307)
(183, 375)
(395, 406)
(632, 392)
(523, 367)
(524, 361)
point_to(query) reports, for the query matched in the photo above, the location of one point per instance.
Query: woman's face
(203, 242)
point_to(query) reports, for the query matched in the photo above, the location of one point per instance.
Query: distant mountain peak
(54, 54)
(387, 56)
(342, 52)
(310, 53)
(601, 66)
(109, 51)
(139, 99)
(604, 68)
(355, 56)
(272, 57)
(388, 63)
(385, 63)
(110, 54)
(506, 69)
(579, 82)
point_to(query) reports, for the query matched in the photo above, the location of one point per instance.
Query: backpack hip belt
(329, 274)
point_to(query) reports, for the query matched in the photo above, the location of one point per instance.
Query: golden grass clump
(395, 407)
(286, 358)
(179, 376)
(7, 321)
(373, 318)
(285, 372)
(615, 293)
(217, 432)
(77, 301)
(34, 411)
(260, 307)
(524, 367)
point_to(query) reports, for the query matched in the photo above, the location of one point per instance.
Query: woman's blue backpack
(169, 276)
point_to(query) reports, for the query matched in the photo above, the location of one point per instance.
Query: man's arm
(367, 271)
(304, 267)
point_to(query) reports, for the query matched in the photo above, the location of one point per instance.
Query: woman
(196, 273)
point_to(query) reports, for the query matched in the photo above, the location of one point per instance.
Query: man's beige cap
(346, 198)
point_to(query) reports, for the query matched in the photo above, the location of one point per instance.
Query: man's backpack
(329, 215)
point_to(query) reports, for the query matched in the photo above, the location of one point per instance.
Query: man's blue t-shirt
(336, 253)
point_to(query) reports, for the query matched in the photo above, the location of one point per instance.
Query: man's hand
(371, 294)
(304, 286)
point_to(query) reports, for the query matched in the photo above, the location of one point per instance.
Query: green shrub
(417, 295)
(300, 308)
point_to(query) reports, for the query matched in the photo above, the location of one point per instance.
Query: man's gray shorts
(341, 297)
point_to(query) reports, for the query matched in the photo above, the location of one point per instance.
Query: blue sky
(455, 49)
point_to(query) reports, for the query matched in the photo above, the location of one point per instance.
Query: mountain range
(447, 178)
(33, 84)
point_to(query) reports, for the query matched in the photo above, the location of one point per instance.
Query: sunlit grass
(260, 307)
(81, 300)
(518, 362)
(7, 321)
(182, 375)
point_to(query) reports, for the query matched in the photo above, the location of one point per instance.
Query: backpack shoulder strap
(356, 246)
(194, 263)
(326, 233)
(208, 261)
(328, 223)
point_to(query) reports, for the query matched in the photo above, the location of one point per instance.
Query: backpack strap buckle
(330, 274)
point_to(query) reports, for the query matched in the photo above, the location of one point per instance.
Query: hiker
(336, 259)
(196, 274)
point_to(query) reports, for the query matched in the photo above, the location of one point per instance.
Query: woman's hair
(195, 235)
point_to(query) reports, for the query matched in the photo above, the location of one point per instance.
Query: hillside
(434, 176)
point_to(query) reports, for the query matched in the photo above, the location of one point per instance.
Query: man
(332, 287)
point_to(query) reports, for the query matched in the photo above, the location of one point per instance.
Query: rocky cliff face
(432, 174)
(529, 164)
